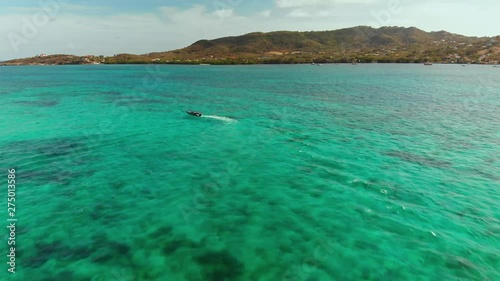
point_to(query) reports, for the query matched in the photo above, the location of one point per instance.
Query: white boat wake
(221, 118)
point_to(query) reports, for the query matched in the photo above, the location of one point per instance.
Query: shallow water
(339, 172)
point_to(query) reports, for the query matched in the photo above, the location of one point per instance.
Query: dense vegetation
(361, 44)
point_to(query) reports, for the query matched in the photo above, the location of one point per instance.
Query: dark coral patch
(46, 251)
(162, 231)
(220, 266)
(419, 159)
(39, 103)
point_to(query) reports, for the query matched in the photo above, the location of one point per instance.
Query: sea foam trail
(222, 118)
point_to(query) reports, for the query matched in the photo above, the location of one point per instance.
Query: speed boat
(194, 113)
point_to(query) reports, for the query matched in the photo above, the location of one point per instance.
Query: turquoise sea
(294, 173)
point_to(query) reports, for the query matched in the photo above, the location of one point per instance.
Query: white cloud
(224, 13)
(299, 13)
(174, 14)
(266, 13)
(308, 3)
(170, 28)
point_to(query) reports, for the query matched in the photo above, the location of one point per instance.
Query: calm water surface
(294, 173)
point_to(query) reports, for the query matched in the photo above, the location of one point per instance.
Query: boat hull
(194, 113)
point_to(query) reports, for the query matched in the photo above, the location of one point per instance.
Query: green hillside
(362, 44)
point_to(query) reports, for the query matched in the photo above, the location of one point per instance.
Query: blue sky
(107, 27)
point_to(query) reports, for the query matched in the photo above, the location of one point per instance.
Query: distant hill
(361, 44)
